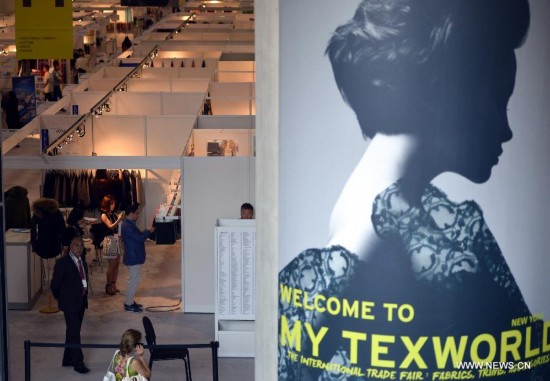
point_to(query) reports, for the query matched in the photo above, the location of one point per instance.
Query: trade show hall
(167, 121)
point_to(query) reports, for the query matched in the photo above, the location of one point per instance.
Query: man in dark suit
(70, 287)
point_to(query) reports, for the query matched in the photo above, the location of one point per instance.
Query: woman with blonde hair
(129, 360)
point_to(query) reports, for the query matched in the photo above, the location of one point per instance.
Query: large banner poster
(25, 91)
(414, 168)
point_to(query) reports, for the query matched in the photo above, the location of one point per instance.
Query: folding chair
(158, 354)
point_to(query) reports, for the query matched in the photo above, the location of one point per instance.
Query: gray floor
(105, 321)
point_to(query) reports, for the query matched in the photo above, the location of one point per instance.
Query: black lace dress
(436, 292)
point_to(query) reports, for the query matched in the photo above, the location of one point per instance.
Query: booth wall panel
(86, 100)
(244, 25)
(156, 36)
(104, 84)
(236, 66)
(116, 72)
(160, 72)
(138, 103)
(84, 146)
(146, 85)
(190, 85)
(231, 106)
(119, 135)
(226, 121)
(197, 72)
(178, 72)
(228, 76)
(61, 122)
(213, 188)
(167, 135)
(228, 89)
(181, 103)
(58, 124)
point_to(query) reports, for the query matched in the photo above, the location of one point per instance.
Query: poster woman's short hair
(395, 59)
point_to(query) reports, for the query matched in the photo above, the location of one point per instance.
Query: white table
(23, 271)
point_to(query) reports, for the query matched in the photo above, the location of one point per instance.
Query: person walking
(10, 105)
(57, 80)
(48, 83)
(134, 254)
(70, 287)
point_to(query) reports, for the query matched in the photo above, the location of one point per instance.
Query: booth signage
(44, 29)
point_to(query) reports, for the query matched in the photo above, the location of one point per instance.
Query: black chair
(158, 354)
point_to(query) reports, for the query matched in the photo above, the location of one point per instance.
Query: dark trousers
(73, 322)
(57, 94)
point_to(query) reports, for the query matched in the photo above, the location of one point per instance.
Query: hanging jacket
(18, 209)
(47, 228)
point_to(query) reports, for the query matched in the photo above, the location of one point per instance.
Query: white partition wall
(197, 72)
(232, 89)
(85, 100)
(233, 106)
(148, 84)
(226, 121)
(137, 103)
(182, 103)
(105, 84)
(116, 71)
(176, 85)
(127, 135)
(168, 135)
(119, 135)
(231, 76)
(178, 72)
(56, 125)
(237, 66)
(190, 85)
(212, 188)
(125, 103)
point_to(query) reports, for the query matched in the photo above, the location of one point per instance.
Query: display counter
(23, 270)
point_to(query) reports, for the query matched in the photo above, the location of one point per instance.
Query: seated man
(247, 211)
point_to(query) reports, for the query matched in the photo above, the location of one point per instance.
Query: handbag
(110, 376)
(112, 246)
(138, 377)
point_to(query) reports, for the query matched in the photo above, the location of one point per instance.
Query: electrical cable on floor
(171, 308)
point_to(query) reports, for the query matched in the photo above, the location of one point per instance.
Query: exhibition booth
(179, 117)
(165, 134)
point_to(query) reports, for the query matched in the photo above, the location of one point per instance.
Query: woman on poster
(429, 82)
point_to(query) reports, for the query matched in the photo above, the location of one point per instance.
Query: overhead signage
(44, 29)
